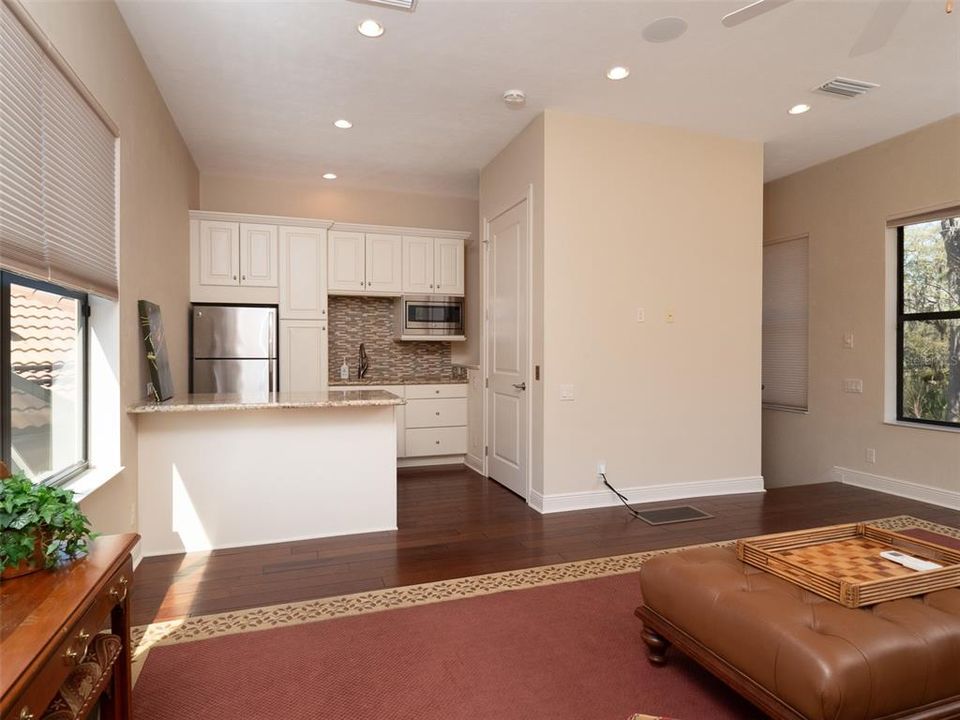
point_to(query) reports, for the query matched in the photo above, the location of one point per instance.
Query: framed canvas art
(155, 346)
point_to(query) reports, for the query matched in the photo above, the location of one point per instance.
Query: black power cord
(623, 498)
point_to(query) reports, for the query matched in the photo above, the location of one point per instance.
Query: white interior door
(507, 350)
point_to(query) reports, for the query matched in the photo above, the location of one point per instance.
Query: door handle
(520, 386)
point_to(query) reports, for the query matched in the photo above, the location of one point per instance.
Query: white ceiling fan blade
(751, 11)
(879, 29)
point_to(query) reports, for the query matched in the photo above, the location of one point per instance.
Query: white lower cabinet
(436, 420)
(303, 355)
(433, 422)
(423, 442)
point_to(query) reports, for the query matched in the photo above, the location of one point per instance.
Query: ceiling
(255, 86)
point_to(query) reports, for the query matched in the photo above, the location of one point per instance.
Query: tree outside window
(928, 322)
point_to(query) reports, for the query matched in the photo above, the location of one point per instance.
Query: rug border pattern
(202, 627)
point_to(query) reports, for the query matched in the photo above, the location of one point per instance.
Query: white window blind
(785, 300)
(58, 207)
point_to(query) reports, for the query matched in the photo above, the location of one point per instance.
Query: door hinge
(486, 450)
(486, 382)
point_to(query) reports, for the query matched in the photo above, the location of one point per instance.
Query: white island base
(239, 473)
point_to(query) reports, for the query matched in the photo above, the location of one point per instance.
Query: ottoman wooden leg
(657, 646)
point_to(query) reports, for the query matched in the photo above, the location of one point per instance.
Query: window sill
(93, 479)
(921, 426)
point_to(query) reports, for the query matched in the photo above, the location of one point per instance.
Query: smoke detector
(515, 99)
(845, 87)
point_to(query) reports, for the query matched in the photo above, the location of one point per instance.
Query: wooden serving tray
(842, 563)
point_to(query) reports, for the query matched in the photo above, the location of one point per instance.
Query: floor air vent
(675, 514)
(845, 87)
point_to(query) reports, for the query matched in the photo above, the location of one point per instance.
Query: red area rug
(565, 648)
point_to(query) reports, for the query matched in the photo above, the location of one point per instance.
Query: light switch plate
(848, 340)
(670, 316)
(641, 315)
(871, 455)
(567, 392)
(853, 385)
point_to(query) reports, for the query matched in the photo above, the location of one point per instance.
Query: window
(928, 322)
(785, 274)
(58, 242)
(43, 352)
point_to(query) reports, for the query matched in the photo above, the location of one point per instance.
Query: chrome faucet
(362, 363)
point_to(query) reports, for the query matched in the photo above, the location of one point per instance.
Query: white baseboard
(474, 463)
(901, 488)
(428, 461)
(562, 502)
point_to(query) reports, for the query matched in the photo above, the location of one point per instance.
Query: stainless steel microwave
(430, 317)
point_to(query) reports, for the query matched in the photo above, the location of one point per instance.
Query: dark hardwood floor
(454, 523)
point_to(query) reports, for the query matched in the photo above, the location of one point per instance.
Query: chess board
(843, 563)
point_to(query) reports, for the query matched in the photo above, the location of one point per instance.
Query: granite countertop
(418, 380)
(202, 402)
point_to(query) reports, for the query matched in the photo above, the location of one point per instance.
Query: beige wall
(666, 220)
(843, 205)
(506, 180)
(158, 183)
(333, 202)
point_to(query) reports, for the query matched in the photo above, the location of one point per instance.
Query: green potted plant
(39, 525)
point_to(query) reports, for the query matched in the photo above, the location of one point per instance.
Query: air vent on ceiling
(845, 87)
(398, 4)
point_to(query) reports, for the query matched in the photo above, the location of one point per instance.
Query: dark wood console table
(48, 619)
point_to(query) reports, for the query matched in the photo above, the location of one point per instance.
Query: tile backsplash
(372, 321)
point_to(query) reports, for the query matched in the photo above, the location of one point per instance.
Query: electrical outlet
(848, 340)
(601, 468)
(871, 455)
(670, 317)
(567, 393)
(641, 315)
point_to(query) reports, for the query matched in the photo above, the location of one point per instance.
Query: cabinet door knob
(234, 277)
(438, 413)
(243, 277)
(25, 714)
(438, 442)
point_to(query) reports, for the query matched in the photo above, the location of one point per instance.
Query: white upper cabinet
(383, 263)
(219, 253)
(346, 258)
(448, 267)
(433, 266)
(418, 261)
(258, 255)
(303, 277)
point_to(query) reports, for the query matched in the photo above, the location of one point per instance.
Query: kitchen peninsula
(218, 471)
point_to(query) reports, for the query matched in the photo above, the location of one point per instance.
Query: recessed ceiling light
(618, 72)
(799, 109)
(370, 28)
(343, 124)
(329, 176)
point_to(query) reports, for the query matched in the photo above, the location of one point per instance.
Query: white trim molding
(398, 230)
(563, 502)
(901, 488)
(474, 463)
(260, 219)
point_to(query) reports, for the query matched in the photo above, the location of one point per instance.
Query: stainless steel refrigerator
(234, 349)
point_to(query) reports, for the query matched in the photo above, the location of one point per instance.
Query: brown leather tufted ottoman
(797, 655)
